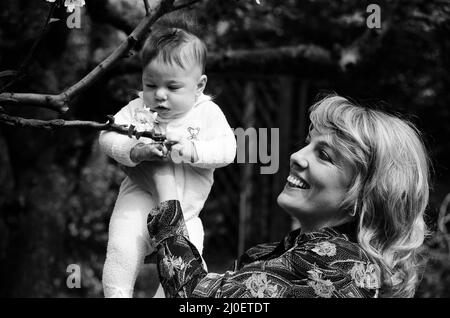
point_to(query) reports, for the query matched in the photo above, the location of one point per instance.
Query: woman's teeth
(296, 182)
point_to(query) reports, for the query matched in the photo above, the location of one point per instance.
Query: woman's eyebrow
(323, 143)
(337, 156)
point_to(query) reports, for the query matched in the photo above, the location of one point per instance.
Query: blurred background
(268, 62)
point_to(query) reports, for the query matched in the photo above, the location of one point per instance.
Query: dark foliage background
(57, 190)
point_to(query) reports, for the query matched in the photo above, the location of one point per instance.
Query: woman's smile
(297, 182)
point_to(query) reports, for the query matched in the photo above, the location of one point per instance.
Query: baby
(200, 139)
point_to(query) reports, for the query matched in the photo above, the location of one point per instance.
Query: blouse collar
(348, 230)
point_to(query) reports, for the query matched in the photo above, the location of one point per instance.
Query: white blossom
(72, 4)
(144, 119)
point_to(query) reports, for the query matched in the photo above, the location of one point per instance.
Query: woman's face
(317, 183)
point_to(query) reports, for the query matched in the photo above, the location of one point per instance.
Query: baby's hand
(181, 148)
(149, 152)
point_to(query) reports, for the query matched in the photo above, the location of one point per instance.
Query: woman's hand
(181, 149)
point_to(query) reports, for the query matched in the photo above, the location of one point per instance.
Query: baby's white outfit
(128, 242)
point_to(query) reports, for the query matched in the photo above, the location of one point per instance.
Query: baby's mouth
(160, 109)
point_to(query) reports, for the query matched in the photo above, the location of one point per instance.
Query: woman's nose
(299, 158)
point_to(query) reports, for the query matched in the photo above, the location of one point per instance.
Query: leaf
(53, 20)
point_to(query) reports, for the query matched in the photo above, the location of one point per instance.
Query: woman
(359, 189)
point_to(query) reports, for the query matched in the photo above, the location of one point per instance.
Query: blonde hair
(390, 187)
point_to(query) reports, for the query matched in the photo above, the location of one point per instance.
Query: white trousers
(129, 241)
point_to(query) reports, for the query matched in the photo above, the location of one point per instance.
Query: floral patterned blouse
(327, 263)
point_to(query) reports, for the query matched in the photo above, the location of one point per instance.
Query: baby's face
(171, 90)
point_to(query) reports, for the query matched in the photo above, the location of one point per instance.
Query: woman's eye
(324, 156)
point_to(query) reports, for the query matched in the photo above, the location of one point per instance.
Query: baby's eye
(174, 87)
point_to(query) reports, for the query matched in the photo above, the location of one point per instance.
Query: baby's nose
(160, 94)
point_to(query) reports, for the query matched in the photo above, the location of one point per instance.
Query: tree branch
(54, 102)
(184, 5)
(61, 123)
(309, 52)
(61, 101)
(306, 56)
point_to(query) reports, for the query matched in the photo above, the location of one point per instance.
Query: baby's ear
(201, 84)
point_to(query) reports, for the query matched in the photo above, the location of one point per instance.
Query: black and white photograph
(224, 149)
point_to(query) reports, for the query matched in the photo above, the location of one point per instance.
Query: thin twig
(20, 72)
(61, 123)
(147, 8)
(7, 73)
